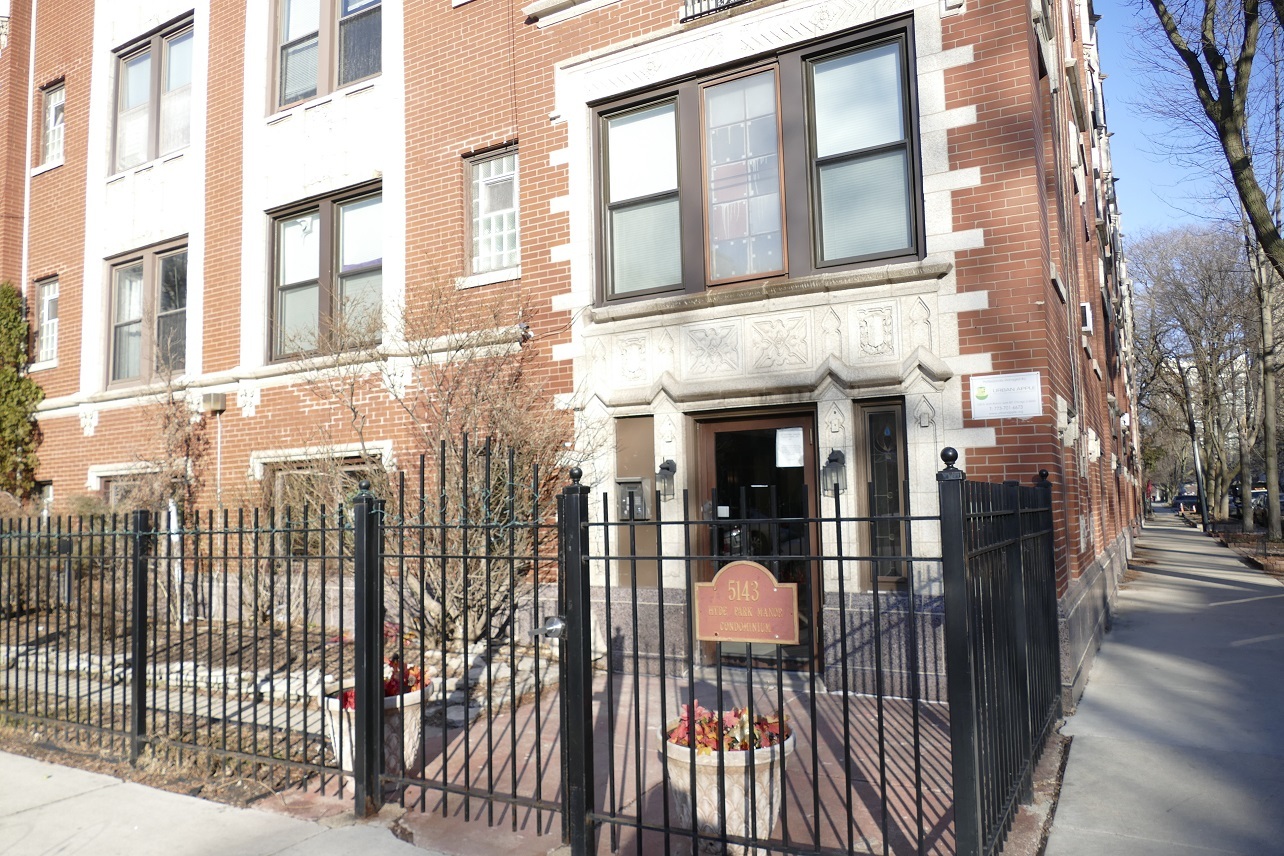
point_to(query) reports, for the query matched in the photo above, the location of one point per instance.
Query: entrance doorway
(757, 481)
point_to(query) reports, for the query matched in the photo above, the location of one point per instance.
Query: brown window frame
(329, 48)
(327, 208)
(797, 164)
(149, 359)
(155, 44)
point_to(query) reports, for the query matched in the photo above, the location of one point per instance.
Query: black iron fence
(917, 691)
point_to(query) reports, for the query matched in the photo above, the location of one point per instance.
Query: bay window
(793, 165)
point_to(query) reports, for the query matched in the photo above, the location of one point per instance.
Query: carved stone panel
(875, 330)
(631, 359)
(710, 350)
(779, 344)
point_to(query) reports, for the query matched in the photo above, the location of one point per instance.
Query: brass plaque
(745, 603)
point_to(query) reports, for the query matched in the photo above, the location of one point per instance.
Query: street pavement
(48, 810)
(1178, 742)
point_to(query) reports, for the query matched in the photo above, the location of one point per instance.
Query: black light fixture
(834, 473)
(664, 480)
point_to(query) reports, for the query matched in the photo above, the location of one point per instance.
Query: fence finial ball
(576, 475)
(949, 455)
(1043, 475)
(363, 485)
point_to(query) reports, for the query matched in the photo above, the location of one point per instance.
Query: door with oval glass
(758, 489)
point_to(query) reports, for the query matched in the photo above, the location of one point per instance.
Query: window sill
(168, 157)
(546, 12)
(491, 277)
(43, 366)
(43, 168)
(927, 271)
(281, 114)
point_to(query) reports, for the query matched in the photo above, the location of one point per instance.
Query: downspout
(26, 177)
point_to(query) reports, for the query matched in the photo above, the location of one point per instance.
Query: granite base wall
(1086, 613)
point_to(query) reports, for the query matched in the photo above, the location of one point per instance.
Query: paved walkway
(47, 809)
(1178, 742)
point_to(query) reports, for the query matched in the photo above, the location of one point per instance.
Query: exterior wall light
(834, 473)
(664, 480)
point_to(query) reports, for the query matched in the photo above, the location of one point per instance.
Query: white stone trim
(97, 472)
(381, 449)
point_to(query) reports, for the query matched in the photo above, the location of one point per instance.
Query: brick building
(775, 243)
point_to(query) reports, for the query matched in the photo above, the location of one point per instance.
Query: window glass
(645, 232)
(302, 18)
(494, 213)
(300, 51)
(54, 101)
(171, 322)
(299, 320)
(47, 332)
(128, 316)
(360, 42)
(865, 206)
(132, 121)
(300, 242)
(742, 174)
(645, 250)
(858, 100)
(175, 119)
(361, 231)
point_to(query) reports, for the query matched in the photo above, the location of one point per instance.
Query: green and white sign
(1007, 396)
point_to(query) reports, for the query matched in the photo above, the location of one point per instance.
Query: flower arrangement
(732, 731)
(398, 678)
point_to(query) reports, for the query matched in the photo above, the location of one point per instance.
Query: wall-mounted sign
(745, 603)
(1006, 396)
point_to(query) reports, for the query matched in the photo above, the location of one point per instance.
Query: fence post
(1048, 603)
(577, 727)
(367, 754)
(139, 543)
(1019, 616)
(959, 673)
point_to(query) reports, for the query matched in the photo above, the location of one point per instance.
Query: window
(149, 316)
(47, 321)
(495, 243)
(52, 125)
(328, 289)
(802, 162)
(325, 45)
(153, 96)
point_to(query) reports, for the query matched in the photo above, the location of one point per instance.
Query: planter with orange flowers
(405, 690)
(746, 754)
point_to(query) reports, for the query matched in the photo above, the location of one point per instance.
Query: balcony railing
(699, 8)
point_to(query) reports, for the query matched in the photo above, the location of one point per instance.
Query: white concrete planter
(403, 728)
(762, 783)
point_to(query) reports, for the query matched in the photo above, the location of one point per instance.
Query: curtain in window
(176, 94)
(743, 177)
(127, 317)
(134, 111)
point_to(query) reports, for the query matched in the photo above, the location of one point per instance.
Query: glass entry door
(757, 480)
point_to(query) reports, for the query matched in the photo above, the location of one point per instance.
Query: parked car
(1186, 503)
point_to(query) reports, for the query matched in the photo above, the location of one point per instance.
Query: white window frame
(46, 323)
(52, 132)
(483, 267)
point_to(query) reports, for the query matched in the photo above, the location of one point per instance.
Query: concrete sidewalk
(49, 809)
(1178, 742)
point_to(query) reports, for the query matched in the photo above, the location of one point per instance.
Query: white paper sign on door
(789, 447)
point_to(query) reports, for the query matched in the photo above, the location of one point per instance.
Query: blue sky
(1154, 194)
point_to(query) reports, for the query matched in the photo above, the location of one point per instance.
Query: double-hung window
(153, 96)
(148, 338)
(324, 45)
(51, 126)
(47, 320)
(328, 282)
(494, 223)
(795, 164)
